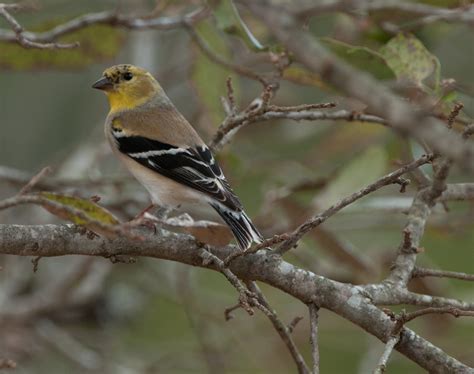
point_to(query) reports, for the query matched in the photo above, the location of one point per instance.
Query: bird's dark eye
(127, 76)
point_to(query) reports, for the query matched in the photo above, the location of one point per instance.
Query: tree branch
(313, 319)
(419, 272)
(315, 221)
(281, 329)
(346, 300)
(44, 39)
(401, 115)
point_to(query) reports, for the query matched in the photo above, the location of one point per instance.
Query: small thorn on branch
(454, 113)
(230, 96)
(122, 259)
(403, 182)
(292, 325)
(228, 311)
(35, 261)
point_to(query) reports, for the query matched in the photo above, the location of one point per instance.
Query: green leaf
(363, 58)
(229, 20)
(410, 60)
(97, 43)
(79, 211)
(209, 78)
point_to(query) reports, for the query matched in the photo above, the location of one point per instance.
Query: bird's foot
(141, 219)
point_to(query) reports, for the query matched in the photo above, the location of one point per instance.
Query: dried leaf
(81, 212)
(410, 60)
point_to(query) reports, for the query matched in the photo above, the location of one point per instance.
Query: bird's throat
(119, 101)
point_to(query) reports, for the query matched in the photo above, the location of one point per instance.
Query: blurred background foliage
(156, 316)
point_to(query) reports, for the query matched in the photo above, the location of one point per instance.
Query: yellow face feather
(127, 87)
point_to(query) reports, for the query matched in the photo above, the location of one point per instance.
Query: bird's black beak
(103, 83)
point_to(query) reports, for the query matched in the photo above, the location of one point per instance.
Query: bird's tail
(242, 227)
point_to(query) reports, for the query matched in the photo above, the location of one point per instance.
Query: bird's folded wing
(194, 167)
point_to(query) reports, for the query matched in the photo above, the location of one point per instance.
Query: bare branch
(281, 329)
(418, 214)
(401, 115)
(407, 317)
(313, 319)
(458, 191)
(315, 221)
(428, 13)
(44, 40)
(348, 301)
(419, 272)
(294, 322)
(232, 123)
(382, 364)
(34, 180)
(244, 294)
(246, 72)
(20, 34)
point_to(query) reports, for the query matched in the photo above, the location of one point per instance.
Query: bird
(164, 152)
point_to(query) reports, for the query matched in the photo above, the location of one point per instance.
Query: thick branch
(346, 300)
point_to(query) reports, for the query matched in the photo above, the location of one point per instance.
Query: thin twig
(19, 31)
(428, 12)
(420, 272)
(316, 220)
(244, 294)
(401, 319)
(231, 124)
(34, 180)
(204, 47)
(382, 364)
(407, 317)
(313, 318)
(294, 322)
(280, 328)
(401, 114)
(44, 40)
(300, 108)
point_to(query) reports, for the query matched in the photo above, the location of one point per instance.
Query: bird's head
(127, 86)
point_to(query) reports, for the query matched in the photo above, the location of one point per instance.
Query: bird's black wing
(194, 167)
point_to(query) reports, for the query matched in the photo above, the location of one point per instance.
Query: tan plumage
(164, 152)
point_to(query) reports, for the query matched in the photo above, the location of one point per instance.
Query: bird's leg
(143, 212)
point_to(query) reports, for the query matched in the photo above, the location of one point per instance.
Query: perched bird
(164, 152)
